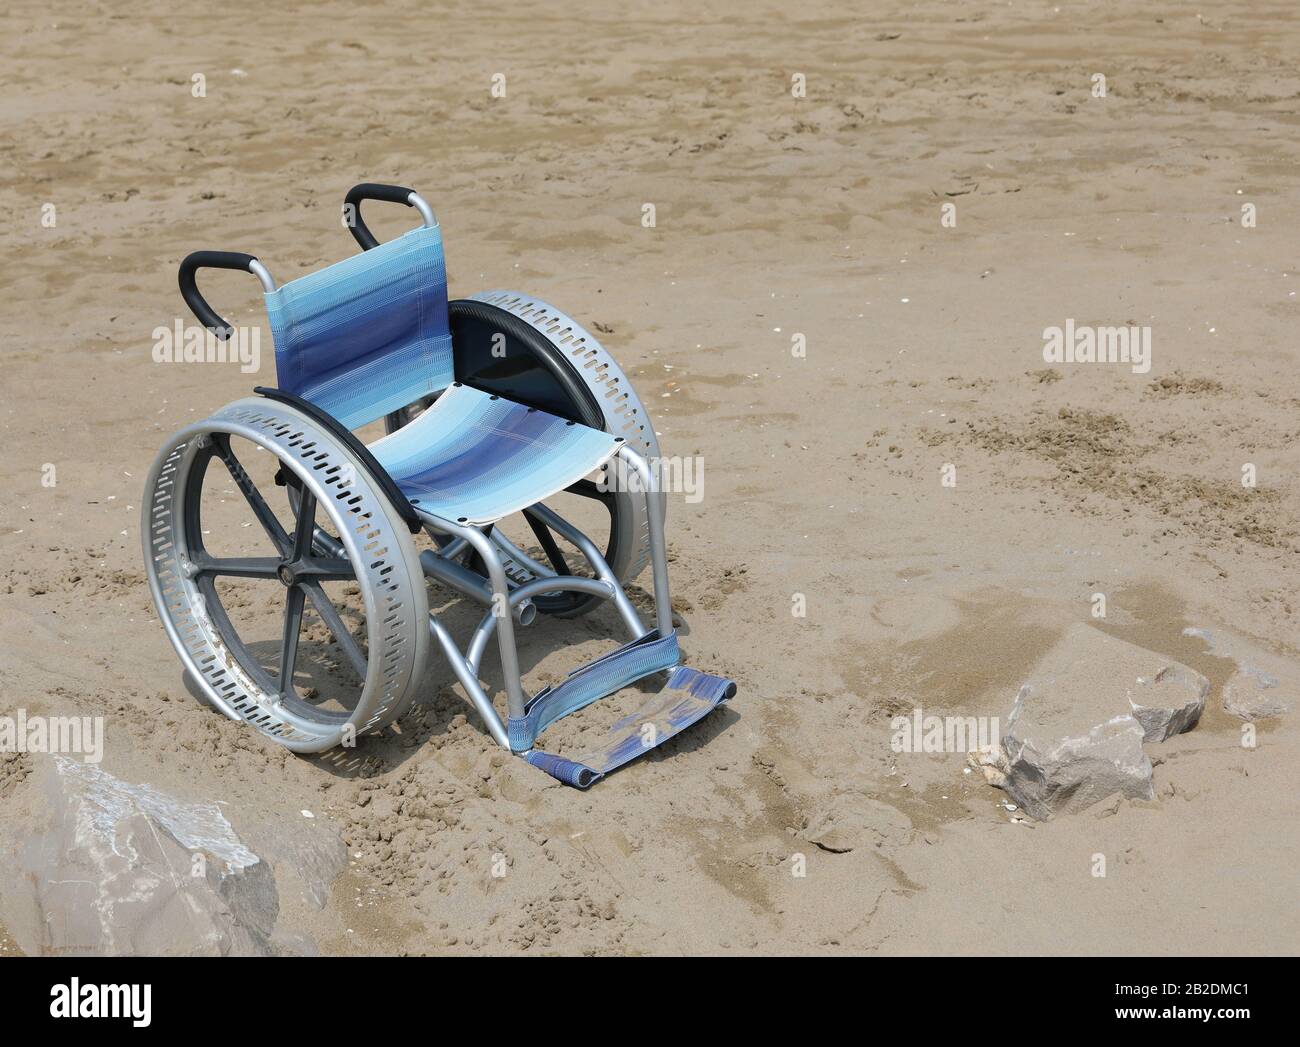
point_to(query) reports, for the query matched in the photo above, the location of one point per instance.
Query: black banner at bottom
(144, 995)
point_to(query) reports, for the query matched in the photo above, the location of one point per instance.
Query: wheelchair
(492, 407)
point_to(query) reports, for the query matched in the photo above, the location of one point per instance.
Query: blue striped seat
(369, 335)
(476, 458)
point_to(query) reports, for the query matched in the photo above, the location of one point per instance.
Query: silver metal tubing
(587, 547)
(437, 525)
(259, 270)
(469, 680)
(658, 550)
(329, 546)
(426, 212)
(453, 548)
(595, 586)
(500, 588)
(475, 586)
(519, 556)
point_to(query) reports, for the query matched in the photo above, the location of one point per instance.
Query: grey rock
(1069, 774)
(1254, 694)
(311, 855)
(1169, 702)
(107, 867)
(1075, 733)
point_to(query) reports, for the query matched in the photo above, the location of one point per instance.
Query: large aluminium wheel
(521, 348)
(310, 623)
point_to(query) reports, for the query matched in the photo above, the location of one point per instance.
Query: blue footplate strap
(689, 696)
(591, 682)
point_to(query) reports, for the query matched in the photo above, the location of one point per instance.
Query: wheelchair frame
(325, 468)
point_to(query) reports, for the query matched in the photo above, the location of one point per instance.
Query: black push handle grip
(393, 194)
(208, 316)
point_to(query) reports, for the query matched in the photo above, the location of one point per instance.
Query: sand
(775, 216)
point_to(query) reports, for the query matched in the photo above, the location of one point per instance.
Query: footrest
(689, 695)
(591, 682)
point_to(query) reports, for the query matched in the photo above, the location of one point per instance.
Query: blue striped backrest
(368, 335)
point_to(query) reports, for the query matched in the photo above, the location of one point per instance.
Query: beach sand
(775, 216)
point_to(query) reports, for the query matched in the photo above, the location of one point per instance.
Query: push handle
(208, 316)
(393, 194)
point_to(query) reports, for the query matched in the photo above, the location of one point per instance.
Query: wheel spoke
(342, 636)
(211, 602)
(326, 568)
(547, 542)
(322, 541)
(589, 489)
(275, 531)
(237, 566)
(303, 533)
(293, 606)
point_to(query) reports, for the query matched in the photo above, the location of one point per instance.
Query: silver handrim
(378, 553)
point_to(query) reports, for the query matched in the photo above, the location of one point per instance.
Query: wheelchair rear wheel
(310, 648)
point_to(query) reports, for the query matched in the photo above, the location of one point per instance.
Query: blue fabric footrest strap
(689, 696)
(591, 682)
